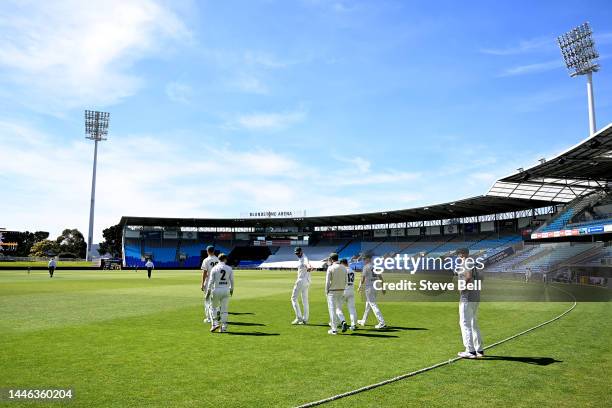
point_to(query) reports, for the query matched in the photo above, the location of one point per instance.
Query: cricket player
(527, 274)
(51, 266)
(368, 277)
(219, 288)
(207, 265)
(335, 283)
(300, 289)
(349, 294)
(149, 265)
(468, 312)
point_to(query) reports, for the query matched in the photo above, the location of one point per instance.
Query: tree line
(69, 244)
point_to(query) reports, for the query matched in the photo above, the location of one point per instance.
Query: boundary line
(440, 364)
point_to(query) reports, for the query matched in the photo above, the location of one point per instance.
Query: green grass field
(121, 340)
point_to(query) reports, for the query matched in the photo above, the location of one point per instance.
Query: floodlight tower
(580, 55)
(96, 129)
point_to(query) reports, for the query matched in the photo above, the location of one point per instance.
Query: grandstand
(548, 218)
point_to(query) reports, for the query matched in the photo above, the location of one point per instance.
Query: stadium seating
(590, 223)
(556, 254)
(572, 209)
(598, 256)
(285, 257)
(510, 263)
(166, 253)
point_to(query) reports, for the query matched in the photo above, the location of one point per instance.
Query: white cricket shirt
(302, 270)
(220, 277)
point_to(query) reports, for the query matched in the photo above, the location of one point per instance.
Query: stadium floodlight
(578, 50)
(96, 129)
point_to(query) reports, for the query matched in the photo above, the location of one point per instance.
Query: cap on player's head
(333, 257)
(222, 257)
(463, 252)
(344, 261)
(210, 249)
(297, 250)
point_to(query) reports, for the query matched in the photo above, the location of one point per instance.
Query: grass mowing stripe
(440, 364)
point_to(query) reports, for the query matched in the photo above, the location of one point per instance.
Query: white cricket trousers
(219, 303)
(370, 295)
(300, 290)
(468, 321)
(208, 309)
(334, 305)
(349, 298)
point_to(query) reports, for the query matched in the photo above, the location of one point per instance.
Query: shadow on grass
(240, 313)
(251, 334)
(388, 336)
(245, 324)
(541, 361)
(395, 329)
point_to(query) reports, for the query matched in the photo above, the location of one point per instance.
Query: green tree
(72, 241)
(112, 241)
(25, 240)
(40, 235)
(45, 247)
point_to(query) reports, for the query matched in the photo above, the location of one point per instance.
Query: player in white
(468, 313)
(150, 266)
(219, 288)
(368, 277)
(300, 289)
(207, 265)
(51, 265)
(335, 283)
(349, 294)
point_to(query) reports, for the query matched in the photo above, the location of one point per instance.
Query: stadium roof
(590, 160)
(575, 172)
(470, 207)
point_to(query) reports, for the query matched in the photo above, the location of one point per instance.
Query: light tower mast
(96, 129)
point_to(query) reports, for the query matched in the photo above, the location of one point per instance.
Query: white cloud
(533, 68)
(261, 121)
(523, 47)
(46, 184)
(250, 84)
(539, 100)
(68, 53)
(266, 60)
(179, 92)
(362, 165)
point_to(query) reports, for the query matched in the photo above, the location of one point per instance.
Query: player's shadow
(388, 336)
(541, 361)
(257, 333)
(395, 329)
(245, 324)
(240, 313)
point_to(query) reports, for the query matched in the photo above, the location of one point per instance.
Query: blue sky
(219, 108)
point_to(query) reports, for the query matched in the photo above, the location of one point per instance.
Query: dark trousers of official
(51, 270)
(149, 272)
